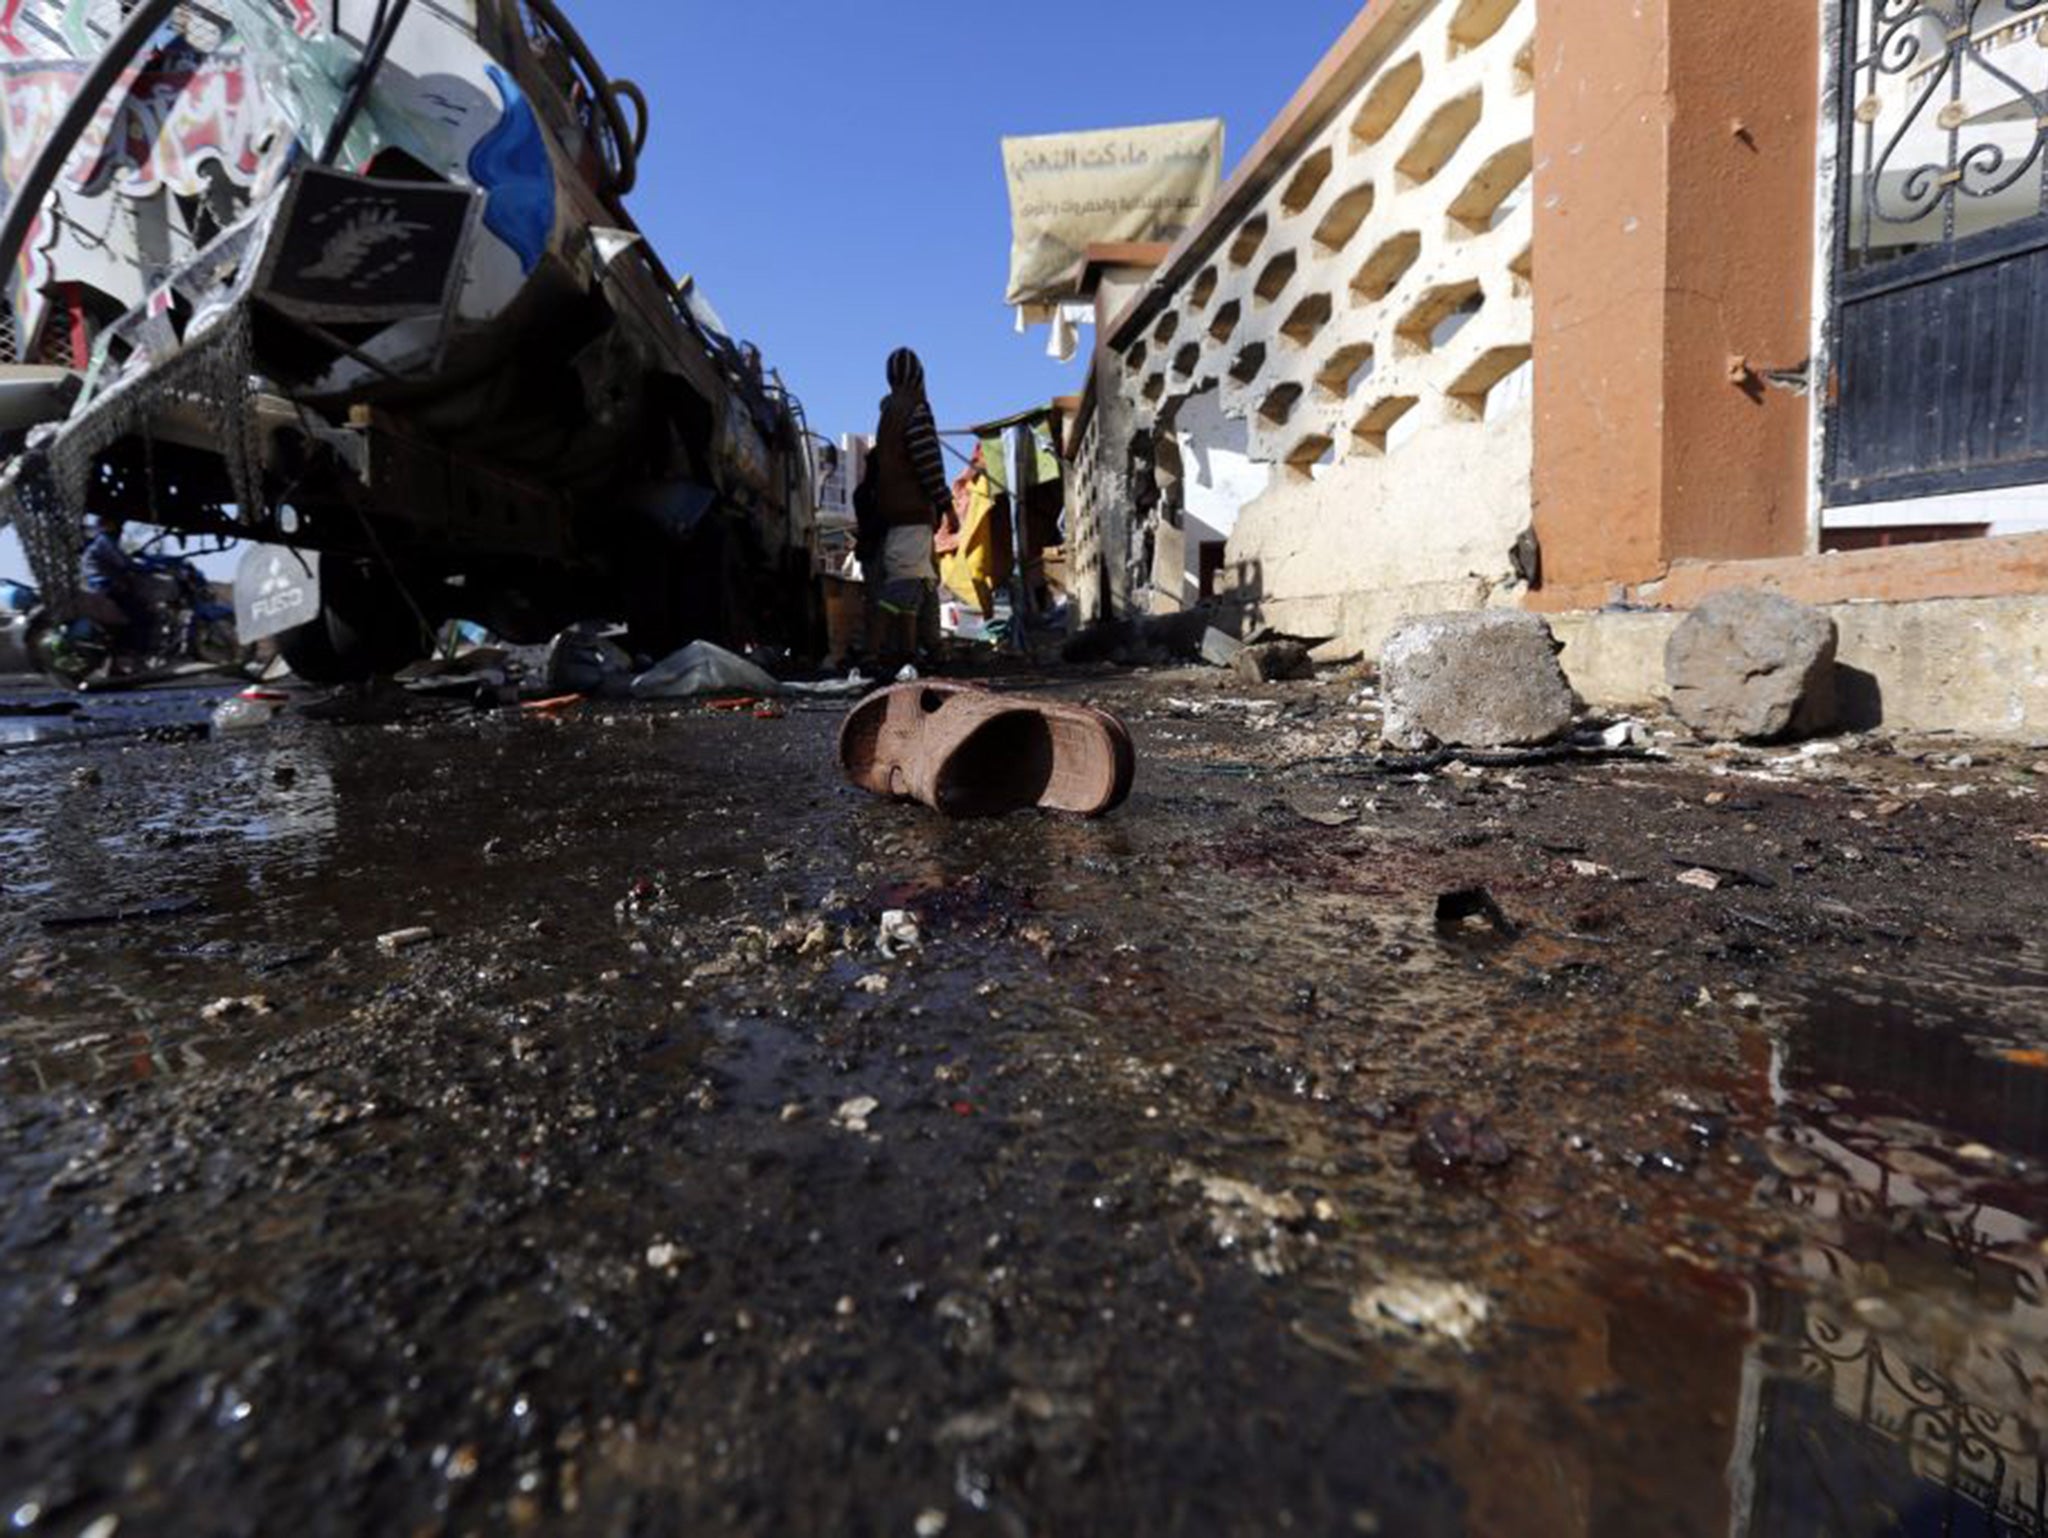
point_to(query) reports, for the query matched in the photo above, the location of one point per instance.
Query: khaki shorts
(907, 570)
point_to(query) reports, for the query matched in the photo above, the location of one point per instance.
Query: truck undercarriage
(456, 373)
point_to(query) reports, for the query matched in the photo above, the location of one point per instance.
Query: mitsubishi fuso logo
(276, 589)
(282, 593)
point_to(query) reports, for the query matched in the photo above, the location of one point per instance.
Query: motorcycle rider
(115, 575)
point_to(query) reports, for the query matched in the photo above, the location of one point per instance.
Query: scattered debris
(232, 1009)
(1273, 662)
(1473, 907)
(1441, 1313)
(1502, 758)
(1697, 870)
(665, 1256)
(585, 660)
(1142, 640)
(1483, 680)
(1457, 1143)
(251, 710)
(1340, 817)
(852, 686)
(141, 913)
(854, 1114)
(1253, 1222)
(900, 933)
(1749, 666)
(1219, 649)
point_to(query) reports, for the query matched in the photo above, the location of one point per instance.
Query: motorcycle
(185, 624)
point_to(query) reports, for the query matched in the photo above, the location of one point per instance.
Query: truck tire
(697, 590)
(653, 582)
(715, 593)
(309, 652)
(366, 629)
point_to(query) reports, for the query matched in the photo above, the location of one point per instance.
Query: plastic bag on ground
(250, 710)
(852, 686)
(702, 668)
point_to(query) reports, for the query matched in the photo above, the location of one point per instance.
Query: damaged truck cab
(380, 305)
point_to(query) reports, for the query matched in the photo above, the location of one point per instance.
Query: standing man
(913, 499)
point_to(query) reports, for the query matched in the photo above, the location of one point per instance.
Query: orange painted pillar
(1676, 147)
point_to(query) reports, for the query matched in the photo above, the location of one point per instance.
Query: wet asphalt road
(1186, 1177)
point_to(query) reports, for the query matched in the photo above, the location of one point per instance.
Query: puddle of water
(112, 715)
(1883, 1369)
(1905, 1383)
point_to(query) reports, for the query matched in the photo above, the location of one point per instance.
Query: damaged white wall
(1363, 332)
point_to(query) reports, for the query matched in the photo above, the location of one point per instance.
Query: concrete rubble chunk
(1274, 662)
(1480, 680)
(1219, 649)
(1748, 666)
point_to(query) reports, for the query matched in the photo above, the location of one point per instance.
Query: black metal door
(1939, 377)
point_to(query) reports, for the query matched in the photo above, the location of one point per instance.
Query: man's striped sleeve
(929, 459)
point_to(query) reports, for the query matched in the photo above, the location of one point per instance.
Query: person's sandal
(972, 753)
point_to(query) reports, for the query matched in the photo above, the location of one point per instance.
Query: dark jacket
(910, 470)
(870, 530)
(108, 568)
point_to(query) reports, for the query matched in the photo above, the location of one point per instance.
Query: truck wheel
(309, 651)
(366, 628)
(705, 589)
(718, 583)
(655, 624)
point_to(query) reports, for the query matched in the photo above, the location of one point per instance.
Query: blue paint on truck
(511, 164)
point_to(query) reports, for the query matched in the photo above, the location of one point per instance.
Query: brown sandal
(972, 753)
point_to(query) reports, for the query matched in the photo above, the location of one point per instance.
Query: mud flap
(275, 590)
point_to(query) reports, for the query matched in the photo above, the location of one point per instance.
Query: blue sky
(830, 171)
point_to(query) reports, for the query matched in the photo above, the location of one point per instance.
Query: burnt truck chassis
(618, 512)
(599, 452)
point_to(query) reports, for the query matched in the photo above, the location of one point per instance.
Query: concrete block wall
(1976, 667)
(1370, 318)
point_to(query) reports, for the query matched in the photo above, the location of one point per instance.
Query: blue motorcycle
(184, 623)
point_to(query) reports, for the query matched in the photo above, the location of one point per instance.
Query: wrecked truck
(354, 281)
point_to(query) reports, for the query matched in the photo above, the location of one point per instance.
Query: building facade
(1597, 310)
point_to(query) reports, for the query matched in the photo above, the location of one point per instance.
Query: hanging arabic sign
(1071, 191)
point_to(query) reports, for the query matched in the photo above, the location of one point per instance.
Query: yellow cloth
(973, 571)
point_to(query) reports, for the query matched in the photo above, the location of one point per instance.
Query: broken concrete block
(1753, 667)
(1274, 662)
(1220, 650)
(1484, 680)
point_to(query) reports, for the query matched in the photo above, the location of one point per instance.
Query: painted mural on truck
(204, 127)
